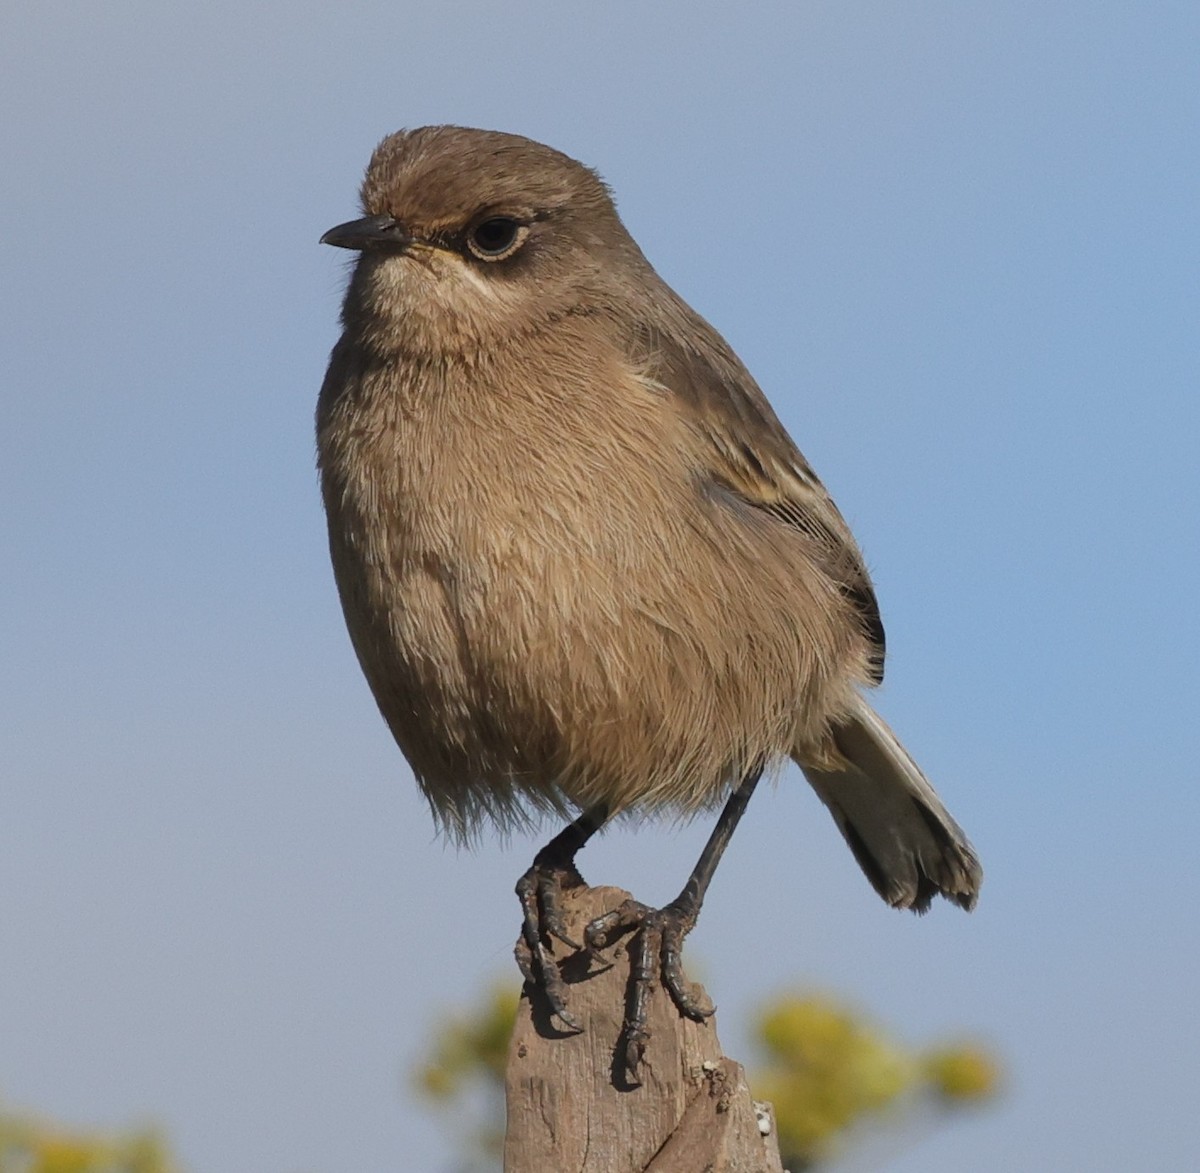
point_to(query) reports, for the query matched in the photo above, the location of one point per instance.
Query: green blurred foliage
(29, 1144)
(828, 1070)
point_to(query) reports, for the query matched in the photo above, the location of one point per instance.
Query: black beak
(369, 231)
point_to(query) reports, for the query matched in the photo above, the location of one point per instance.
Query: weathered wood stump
(570, 1106)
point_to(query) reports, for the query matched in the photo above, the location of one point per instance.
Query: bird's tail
(902, 836)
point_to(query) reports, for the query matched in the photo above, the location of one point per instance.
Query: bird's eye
(496, 238)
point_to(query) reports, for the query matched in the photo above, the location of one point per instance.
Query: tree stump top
(571, 1108)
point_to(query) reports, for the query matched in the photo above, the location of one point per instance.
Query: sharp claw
(524, 956)
(555, 989)
(591, 958)
(690, 1008)
(549, 888)
(635, 1052)
(562, 936)
(655, 954)
(539, 975)
(672, 970)
(538, 890)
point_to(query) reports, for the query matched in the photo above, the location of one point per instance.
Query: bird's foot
(656, 951)
(540, 891)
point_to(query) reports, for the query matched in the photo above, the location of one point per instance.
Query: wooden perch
(570, 1108)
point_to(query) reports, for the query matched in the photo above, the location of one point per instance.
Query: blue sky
(958, 246)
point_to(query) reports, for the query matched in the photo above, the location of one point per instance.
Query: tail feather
(902, 836)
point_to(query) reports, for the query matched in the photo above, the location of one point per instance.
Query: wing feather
(749, 453)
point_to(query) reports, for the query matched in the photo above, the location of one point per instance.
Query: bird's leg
(539, 891)
(657, 948)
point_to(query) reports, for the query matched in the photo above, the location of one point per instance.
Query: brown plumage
(582, 563)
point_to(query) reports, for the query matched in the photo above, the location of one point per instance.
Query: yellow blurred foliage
(465, 1073)
(962, 1074)
(31, 1145)
(471, 1046)
(826, 1069)
(829, 1069)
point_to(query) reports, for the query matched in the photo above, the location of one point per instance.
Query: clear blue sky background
(956, 242)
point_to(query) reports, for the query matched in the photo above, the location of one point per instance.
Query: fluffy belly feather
(649, 644)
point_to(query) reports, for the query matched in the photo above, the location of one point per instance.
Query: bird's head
(471, 236)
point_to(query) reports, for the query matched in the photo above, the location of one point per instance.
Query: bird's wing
(750, 454)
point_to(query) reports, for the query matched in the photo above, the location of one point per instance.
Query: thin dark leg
(694, 891)
(540, 892)
(658, 947)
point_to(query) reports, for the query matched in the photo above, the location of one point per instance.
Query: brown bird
(584, 567)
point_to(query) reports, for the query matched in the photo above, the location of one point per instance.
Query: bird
(584, 567)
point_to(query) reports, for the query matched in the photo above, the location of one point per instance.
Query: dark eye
(496, 238)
